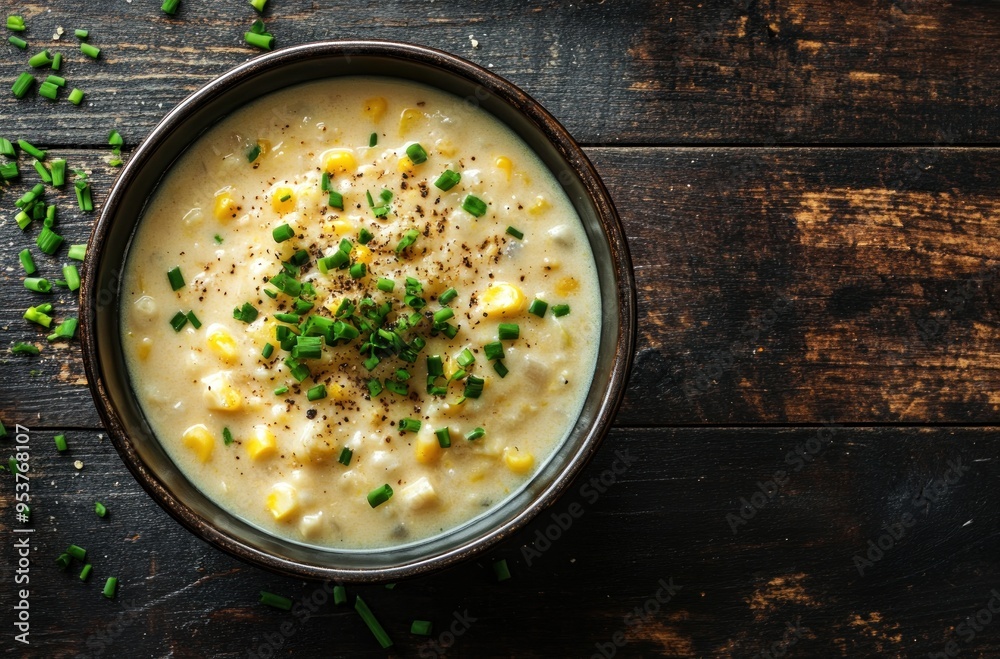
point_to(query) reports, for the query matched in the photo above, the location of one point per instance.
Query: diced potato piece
(539, 206)
(427, 449)
(193, 217)
(310, 524)
(283, 200)
(262, 443)
(375, 108)
(222, 343)
(504, 164)
(282, 501)
(265, 147)
(361, 253)
(145, 347)
(225, 207)
(418, 494)
(409, 119)
(567, 286)
(520, 462)
(200, 441)
(503, 299)
(220, 394)
(340, 161)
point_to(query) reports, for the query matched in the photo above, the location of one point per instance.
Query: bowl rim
(567, 148)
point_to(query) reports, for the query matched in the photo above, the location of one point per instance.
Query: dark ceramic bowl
(109, 244)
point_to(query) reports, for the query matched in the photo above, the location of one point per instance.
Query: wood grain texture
(663, 517)
(782, 285)
(629, 71)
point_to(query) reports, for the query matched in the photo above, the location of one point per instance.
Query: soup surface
(360, 312)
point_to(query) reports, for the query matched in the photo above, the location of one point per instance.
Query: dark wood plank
(663, 518)
(775, 286)
(634, 71)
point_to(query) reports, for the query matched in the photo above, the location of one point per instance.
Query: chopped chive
(448, 296)
(72, 276)
(49, 91)
(499, 367)
(38, 285)
(421, 627)
(398, 388)
(85, 572)
(501, 570)
(560, 310)
(15, 23)
(509, 331)
(227, 436)
(90, 51)
(275, 601)
(3, 430)
(373, 139)
(345, 456)
(258, 5)
(179, 320)
(339, 595)
(281, 391)
(514, 232)
(42, 171)
(17, 41)
(258, 27)
(373, 624)
(63, 561)
(287, 318)
(384, 284)
(538, 307)
(100, 509)
(22, 85)
(416, 153)
(450, 331)
(267, 351)
(374, 387)
(58, 172)
(77, 252)
(474, 206)
(358, 270)
(447, 180)
(435, 367)
(409, 237)
(316, 393)
(170, 6)
(176, 278)
(110, 587)
(379, 495)
(247, 313)
(81, 34)
(31, 150)
(21, 348)
(193, 319)
(75, 96)
(57, 64)
(60, 443)
(115, 138)
(475, 434)
(253, 152)
(56, 80)
(385, 195)
(296, 369)
(465, 358)
(365, 236)
(265, 41)
(444, 437)
(40, 59)
(27, 261)
(494, 350)
(217, 238)
(79, 553)
(336, 200)
(473, 387)
(7, 149)
(38, 316)
(371, 202)
(9, 170)
(282, 233)
(409, 425)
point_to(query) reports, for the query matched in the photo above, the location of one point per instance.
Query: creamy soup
(360, 312)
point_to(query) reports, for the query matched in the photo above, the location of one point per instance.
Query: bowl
(103, 355)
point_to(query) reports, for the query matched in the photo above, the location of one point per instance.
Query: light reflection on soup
(360, 312)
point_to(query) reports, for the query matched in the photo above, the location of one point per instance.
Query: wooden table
(810, 191)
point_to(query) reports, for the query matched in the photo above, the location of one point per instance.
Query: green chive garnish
(474, 206)
(499, 367)
(7, 149)
(514, 232)
(72, 277)
(444, 437)
(81, 34)
(57, 64)
(339, 595)
(560, 310)
(365, 236)
(8, 171)
(63, 561)
(90, 51)
(76, 97)
(447, 296)
(283, 233)
(27, 261)
(111, 587)
(281, 391)
(416, 153)
(40, 59)
(374, 387)
(494, 350)
(501, 570)
(176, 278)
(473, 387)
(336, 200)
(22, 85)
(373, 139)
(31, 150)
(475, 434)
(38, 316)
(408, 239)
(77, 252)
(38, 285)
(258, 5)
(267, 351)
(465, 358)
(447, 180)
(49, 91)
(79, 553)
(227, 436)
(56, 80)
(60, 443)
(247, 313)
(265, 41)
(369, 618)
(379, 495)
(275, 601)
(15, 23)
(170, 6)
(316, 393)
(385, 285)
(59, 174)
(358, 270)
(100, 509)
(17, 41)
(510, 331)
(421, 628)
(409, 425)
(345, 456)
(538, 307)
(48, 241)
(85, 572)
(179, 320)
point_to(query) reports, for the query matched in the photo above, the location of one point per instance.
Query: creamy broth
(266, 432)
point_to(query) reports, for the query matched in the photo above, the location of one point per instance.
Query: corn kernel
(265, 147)
(520, 462)
(333, 303)
(282, 501)
(405, 165)
(145, 347)
(409, 118)
(337, 392)
(504, 164)
(361, 253)
(222, 343)
(225, 206)
(375, 108)
(339, 227)
(262, 443)
(446, 148)
(199, 441)
(427, 449)
(503, 299)
(566, 286)
(340, 161)
(283, 200)
(540, 205)
(220, 394)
